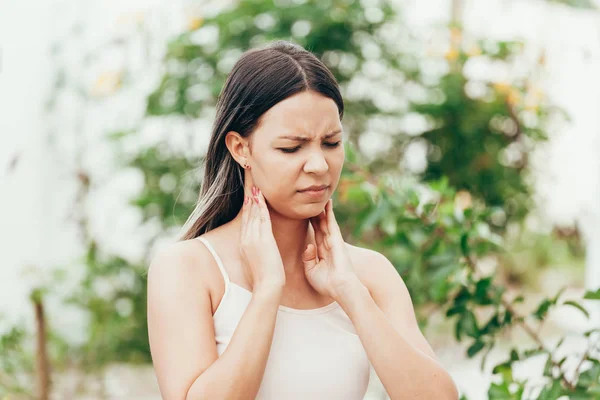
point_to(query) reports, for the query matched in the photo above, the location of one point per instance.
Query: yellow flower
(108, 82)
(455, 35)
(452, 54)
(473, 51)
(502, 87)
(531, 107)
(533, 98)
(514, 97)
(194, 23)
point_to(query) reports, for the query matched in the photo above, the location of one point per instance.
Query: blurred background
(472, 142)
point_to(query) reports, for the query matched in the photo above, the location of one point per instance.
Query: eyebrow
(307, 139)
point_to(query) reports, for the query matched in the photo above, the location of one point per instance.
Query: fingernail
(254, 190)
(245, 199)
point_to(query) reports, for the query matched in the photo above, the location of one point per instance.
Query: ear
(238, 147)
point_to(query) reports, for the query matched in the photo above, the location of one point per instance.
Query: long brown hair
(260, 79)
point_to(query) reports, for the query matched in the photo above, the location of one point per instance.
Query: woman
(262, 298)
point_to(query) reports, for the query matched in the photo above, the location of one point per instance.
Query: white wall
(24, 223)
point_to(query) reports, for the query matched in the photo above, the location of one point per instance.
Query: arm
(182, 338)
(400, 355)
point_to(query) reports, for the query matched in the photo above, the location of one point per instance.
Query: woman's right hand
(263, 265)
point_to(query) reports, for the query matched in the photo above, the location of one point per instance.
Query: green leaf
(475, 348)
(560, 292)
(578, 306)
(481, 291)
(548, 366)
(542, 309)
(468, 324)
(464, 244)
(552, 392)
(505, 370)
(455, 310)
(590, 376)
(499, 391)
(485, 356)
(589, 295)
(531, 353)
(589, 332)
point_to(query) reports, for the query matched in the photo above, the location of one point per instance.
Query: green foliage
(482, 131)
(114, 294)
(424, 239)
(169, 188)
(338, 31)
(472, 139)
(16, 363)
(529, 254)
(436, 245)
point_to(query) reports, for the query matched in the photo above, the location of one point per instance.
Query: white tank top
(315, 354)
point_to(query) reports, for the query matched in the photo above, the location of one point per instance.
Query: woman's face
(297, 145)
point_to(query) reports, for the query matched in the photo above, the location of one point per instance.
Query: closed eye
(294, 149)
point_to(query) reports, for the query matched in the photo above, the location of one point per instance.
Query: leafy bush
(435, 227)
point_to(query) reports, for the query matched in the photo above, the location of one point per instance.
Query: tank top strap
(217, 259)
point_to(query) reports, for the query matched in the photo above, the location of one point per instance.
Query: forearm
(405, 371)
(238, 372)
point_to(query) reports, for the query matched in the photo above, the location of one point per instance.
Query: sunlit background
(473, 132)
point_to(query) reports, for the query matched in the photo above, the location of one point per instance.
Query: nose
(316, 163)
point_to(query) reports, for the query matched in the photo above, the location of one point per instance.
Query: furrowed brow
(307, 139)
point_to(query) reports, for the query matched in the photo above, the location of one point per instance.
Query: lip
(315, 194)
(314, 188)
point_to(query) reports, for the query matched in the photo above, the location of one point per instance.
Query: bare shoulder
(180, 332)
(374, 270)
(368, 262)
(181, 263)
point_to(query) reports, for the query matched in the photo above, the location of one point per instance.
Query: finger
(319, 237)
(253, 228)
(309, 257)
(332, 224)
(314, 221)
(245, 215)
(263, 212)
(311, 227)
(323, 223)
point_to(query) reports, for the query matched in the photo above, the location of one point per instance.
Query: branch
(528, 329)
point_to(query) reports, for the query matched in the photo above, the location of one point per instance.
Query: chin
(309, 210)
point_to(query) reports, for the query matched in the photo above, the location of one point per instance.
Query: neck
(292, 237)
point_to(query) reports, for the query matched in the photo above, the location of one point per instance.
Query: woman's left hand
(328, 267)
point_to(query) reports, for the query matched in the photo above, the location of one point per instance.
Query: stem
(456, 11)
(583, 358)
(42, 363)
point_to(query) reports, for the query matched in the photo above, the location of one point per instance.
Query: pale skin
(315, 268)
